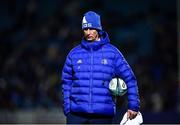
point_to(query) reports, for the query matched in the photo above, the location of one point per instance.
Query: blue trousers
(83, 118)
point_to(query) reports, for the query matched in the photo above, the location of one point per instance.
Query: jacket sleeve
(66, 84)
(124, 71)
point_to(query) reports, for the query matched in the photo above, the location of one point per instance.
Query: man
(88, 69)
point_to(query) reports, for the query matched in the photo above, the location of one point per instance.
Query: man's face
(91, 34)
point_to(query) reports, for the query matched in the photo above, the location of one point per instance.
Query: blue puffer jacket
(88, 69)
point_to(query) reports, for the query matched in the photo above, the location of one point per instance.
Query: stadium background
(36, 36)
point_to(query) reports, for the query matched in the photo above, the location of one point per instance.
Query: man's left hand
(131, 114)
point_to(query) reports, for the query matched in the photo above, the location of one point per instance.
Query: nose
(88, 31)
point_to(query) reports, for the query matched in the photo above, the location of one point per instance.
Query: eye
(88, 29)
(85, 29)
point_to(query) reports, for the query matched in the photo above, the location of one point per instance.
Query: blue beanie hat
(91, 20)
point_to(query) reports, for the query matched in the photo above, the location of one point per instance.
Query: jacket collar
(104, 39)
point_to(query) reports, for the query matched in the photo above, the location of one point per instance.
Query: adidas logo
(79, 61)
(85, 23)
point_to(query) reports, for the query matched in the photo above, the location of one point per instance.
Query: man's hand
(131, 114)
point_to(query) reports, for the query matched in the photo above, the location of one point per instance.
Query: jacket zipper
(90, 91)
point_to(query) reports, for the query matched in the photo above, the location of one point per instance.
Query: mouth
(89, 37)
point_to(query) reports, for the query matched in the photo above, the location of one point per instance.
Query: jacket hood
(104, 39)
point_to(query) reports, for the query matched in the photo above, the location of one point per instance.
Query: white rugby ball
(117, 87)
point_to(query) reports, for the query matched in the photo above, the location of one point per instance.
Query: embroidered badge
(104, 61)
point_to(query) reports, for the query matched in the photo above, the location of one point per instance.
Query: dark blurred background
(36, 36)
